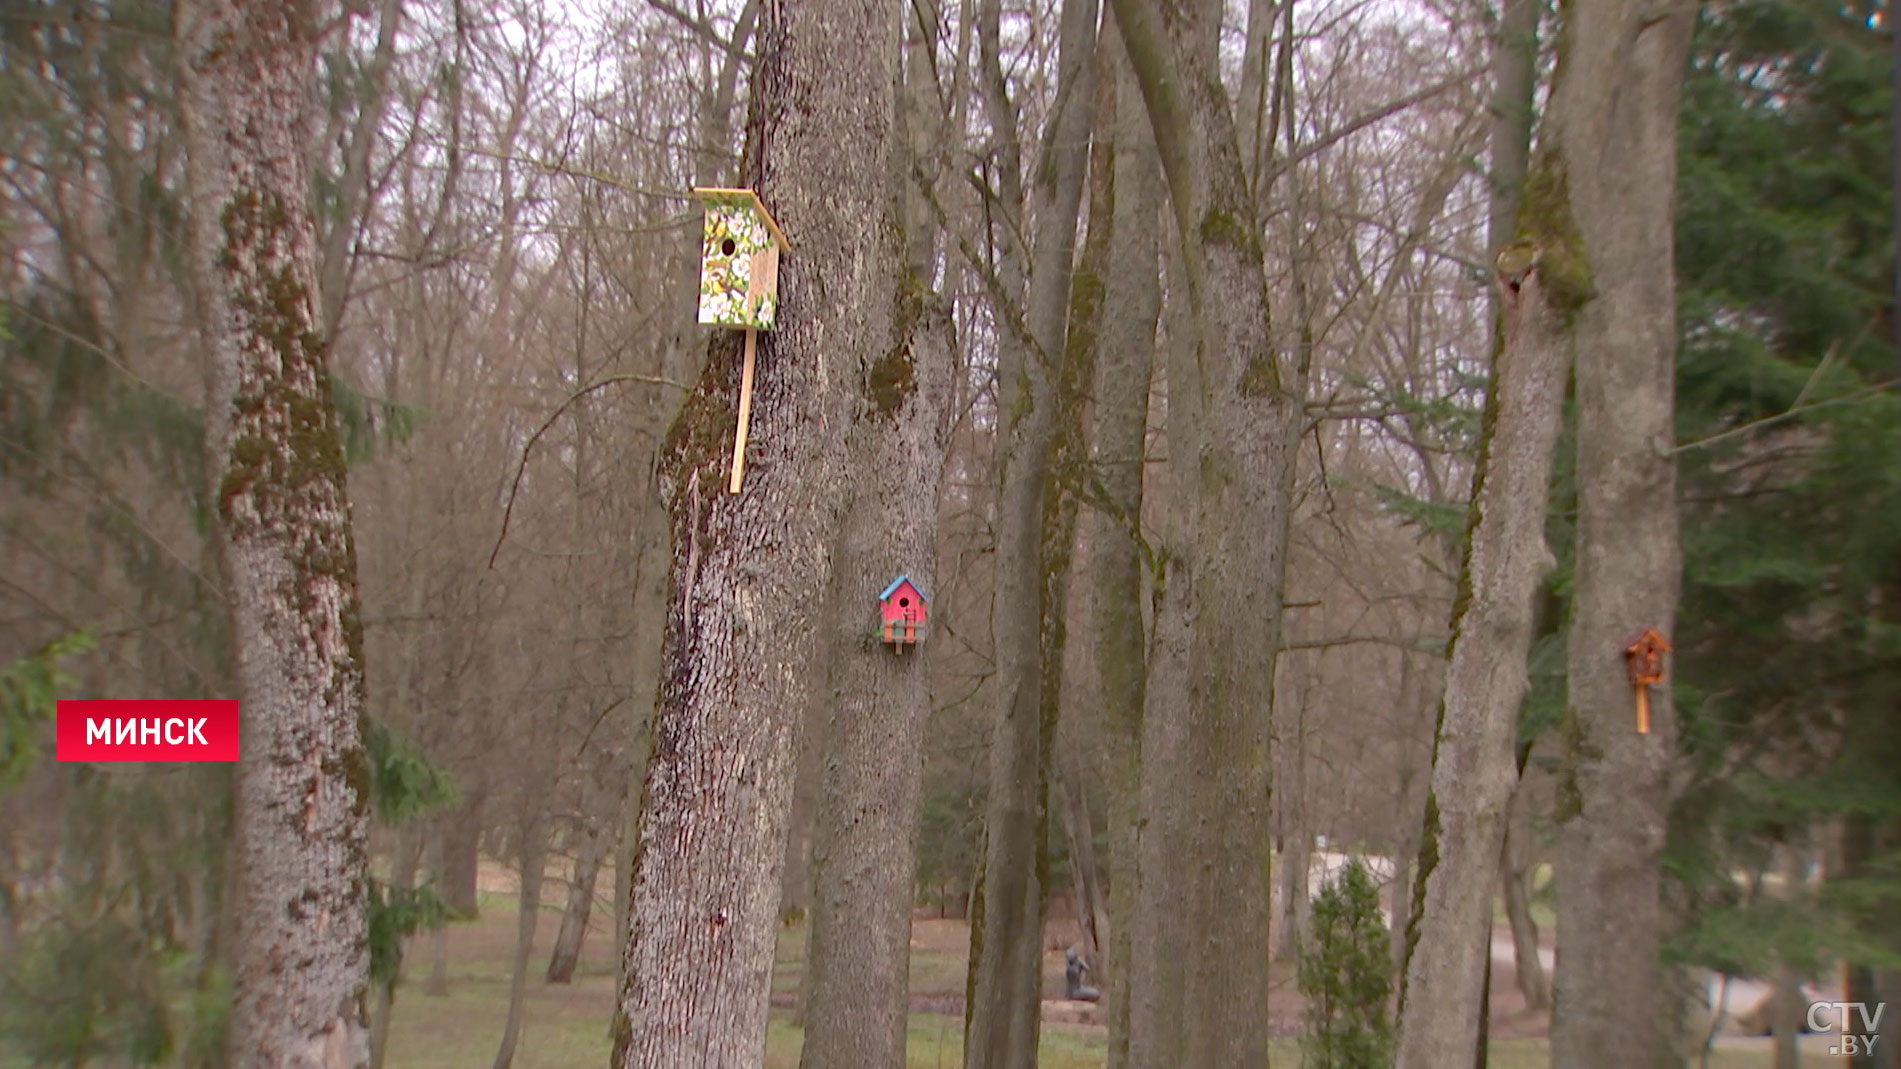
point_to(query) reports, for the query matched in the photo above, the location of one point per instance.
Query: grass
(566, 1025)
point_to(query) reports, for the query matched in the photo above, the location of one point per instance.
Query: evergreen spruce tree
(1789, 651)
(1346, 976)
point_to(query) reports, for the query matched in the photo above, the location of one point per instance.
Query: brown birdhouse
(1643, 657)
(905, 610)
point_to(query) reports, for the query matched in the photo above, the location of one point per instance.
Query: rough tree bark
(1418, 690)
(1252, 404)
(1125, 361)
(808, 772)
(1295, 864)
(864, 840)
(1474, 761)
(864, 850)
(301, 960)
(1071, 483)
(1514, 80)
(1159, 924)
(750, 570)
(1475, 767)
(1006, 978)
(1613, 120)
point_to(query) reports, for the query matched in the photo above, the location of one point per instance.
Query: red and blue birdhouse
(905, 610)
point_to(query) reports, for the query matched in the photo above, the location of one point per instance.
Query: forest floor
(566, 1025)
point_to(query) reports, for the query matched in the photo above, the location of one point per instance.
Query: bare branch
(521, 469)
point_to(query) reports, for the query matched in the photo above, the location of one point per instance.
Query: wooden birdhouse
(1643, 658)
(905, 610)
(739, 286)
(739, 260)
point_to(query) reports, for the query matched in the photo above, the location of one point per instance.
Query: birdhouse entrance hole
(727, 246)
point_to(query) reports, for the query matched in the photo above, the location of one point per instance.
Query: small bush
(1346, 974)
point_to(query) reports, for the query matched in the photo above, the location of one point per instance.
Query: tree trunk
(1516, 868)
(750, 570)
(1125, 364)
(1080, 834)
(301, 963)
(650, 622)
(808, 774)
(438, 983)
(864, 854)
(1004, 1013)
(1243, 473)
(1159, 926)
(567, 943)
(534, 868)
(1786, 1017)
(1474, 763)
(1614, 122)
(1064, 552)
(1514, 79)
(402, 878)
(1786, 1003)
(1295, 870)
(461, 837)
(1858, 849)
(1417, 694)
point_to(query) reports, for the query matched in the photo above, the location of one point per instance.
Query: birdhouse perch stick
(745, 412)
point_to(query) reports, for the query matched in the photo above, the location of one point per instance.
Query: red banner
(148, 731)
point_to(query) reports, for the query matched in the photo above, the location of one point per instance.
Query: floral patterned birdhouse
(739, 260)
(904, 609)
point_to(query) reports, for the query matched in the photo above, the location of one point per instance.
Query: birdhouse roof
(1650, 639)
(902, 580)
(747, 199)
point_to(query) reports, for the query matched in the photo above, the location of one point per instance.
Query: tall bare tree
(1611, 167)
(865, 842)
(302, 957)
(1475, 768)
(1006, 974)
(750, 569)
(1124, 365)
(855, 994)
(1252, 403)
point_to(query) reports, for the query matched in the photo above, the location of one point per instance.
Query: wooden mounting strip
(745, 412)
